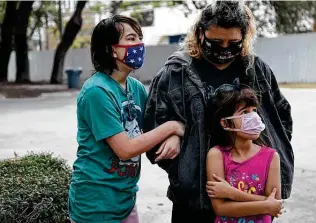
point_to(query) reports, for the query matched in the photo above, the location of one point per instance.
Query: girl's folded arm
(222, 207)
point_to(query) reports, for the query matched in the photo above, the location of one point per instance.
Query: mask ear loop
(233, 117)
(125, 55)
(232, 129)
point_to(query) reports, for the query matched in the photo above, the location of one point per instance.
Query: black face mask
(217, 54)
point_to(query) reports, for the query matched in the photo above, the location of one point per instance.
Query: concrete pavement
(48, 123)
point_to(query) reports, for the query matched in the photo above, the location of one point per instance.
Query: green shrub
(34, 188)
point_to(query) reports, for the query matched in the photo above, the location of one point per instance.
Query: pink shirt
(249, 176)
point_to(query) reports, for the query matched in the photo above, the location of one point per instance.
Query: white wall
(292, 58)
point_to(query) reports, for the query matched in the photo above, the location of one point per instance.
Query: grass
(298, 85)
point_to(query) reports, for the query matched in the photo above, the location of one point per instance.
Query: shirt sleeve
(101, 113)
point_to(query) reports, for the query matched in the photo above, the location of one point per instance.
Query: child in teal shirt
(110, 109)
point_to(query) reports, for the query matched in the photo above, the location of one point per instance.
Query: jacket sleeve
(282, 105)
(158, 110)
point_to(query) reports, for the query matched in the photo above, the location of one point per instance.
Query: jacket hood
(179, 57)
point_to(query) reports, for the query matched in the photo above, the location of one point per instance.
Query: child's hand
(220, 189)
(274, 206)
(170, 149)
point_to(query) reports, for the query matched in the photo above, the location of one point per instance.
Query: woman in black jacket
(217, 55)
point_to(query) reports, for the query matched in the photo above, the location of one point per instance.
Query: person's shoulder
(168, 70)
(259, 62)
(93, 93)
(97, 84)
(176, 63)
(263, 69)
(135, 82)
(175, 66)
(258, 59)
(161, 79)
(273, 153)
(137, 85)
(98, 79)
(273, 157)
(215, 151)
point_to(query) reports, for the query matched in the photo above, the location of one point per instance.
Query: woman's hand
(220, 189)
(169, 149)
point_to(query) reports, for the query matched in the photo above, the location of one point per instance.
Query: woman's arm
(281, 103)
(226, 208)
(158, 110)
(170, 148)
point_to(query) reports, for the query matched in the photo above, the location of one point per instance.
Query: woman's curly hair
(226, 14)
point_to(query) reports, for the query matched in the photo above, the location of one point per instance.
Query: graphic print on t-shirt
(131, 120)
(211, 91)
(248, 183)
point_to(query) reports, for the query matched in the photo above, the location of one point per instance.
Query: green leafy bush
(34, 188)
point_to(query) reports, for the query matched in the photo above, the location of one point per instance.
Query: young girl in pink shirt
(243, 174)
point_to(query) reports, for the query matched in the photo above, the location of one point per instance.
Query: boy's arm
(126, 148)
(99, 110)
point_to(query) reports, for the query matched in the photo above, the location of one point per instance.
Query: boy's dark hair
(107, 33)
(224, 104)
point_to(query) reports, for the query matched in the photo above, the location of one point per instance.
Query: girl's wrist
(233, 194)
(266, 207)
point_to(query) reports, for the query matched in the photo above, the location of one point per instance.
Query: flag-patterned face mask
(134, 55)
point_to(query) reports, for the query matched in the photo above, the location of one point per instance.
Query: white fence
(292, 58)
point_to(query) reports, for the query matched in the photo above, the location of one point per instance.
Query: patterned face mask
(134, 55)
(250, 123)
(217, 54)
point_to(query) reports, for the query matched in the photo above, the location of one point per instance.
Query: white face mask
(251, 123)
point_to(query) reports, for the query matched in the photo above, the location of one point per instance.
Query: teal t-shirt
(103, 187)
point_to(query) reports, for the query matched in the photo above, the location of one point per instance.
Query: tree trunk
(115, 5)
(21, 45)
(40, 38)
(60, 21)
(46, 33)
(6, 39)
(37, 24)
(37, 15)
(72, 28)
